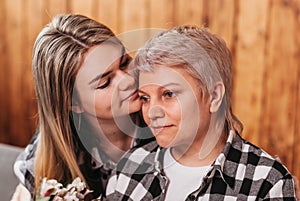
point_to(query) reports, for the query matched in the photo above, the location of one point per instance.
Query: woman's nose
(127, 81)
(156, 112)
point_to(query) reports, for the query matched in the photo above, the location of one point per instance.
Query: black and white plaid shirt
(97, 176)
(241, 172)
(23, 166)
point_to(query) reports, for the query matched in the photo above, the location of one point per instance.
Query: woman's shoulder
(258, 164)
(136, 172)
(24, 164)
(138, 158)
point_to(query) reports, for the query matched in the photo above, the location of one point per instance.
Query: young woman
(185, 85)
(87, 105)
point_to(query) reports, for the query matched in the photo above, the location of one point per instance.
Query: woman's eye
(104, 85)
(169, 94)
(144, 99)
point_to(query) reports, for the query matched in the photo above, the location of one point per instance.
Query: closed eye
(105, 84)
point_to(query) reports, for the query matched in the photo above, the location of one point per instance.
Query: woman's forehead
(106, 52)
(164, 76)
(99, 60)
(101, 57)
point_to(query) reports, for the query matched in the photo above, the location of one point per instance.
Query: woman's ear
(216, 96)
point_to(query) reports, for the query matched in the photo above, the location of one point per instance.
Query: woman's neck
(113, 137)
(115, 142)
(191, 156)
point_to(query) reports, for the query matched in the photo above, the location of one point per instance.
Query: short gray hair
(202, 54)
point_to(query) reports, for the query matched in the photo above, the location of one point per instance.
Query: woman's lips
(157, 129)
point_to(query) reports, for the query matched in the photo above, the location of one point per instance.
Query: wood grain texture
(221, 23)
(264, 37)
(296, 147)
(161, 14)
(4, 121)
(189, 12)
(109, 13)
(249, 65)
(280, 83)
(86, 7)
(15, 62)
(54, 7)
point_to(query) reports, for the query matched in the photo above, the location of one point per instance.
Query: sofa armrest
(8, 180)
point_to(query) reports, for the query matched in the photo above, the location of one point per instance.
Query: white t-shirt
(183, 180)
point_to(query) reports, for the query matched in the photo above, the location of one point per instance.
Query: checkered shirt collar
(233, 140)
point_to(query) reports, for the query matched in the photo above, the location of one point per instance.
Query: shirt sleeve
(24, 165)
(284, 189)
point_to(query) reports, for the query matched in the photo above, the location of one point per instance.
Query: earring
(79, 122)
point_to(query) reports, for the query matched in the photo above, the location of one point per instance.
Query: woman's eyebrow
(107, 73)
(99, 77)
(170, 84)
(141, 91)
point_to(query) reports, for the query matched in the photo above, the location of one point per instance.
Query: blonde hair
(58, 53)
(204, 56)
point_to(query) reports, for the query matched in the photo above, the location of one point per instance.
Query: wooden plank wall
(264, 37)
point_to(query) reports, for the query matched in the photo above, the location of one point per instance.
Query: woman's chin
(163, 141)
(164, 144)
